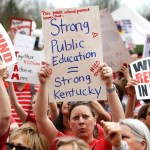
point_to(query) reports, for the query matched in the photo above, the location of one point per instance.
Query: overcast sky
(137, 4)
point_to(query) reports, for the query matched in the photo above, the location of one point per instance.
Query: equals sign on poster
(72, 69)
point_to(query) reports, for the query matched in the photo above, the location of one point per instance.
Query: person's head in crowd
(27, 137)
(144, 114)
(134, 55)
(136, 134)
(72, 144)
(82, 120)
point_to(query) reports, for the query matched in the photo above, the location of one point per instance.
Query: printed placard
(24, 42)
(25, 70)
(146, 51)
(125, 29)
(115, 53)
(72, 44)
(7, 52)
(141, 71)
(19, 25)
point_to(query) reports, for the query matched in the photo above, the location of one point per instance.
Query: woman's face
(130, 138)
(65, 108)
(82, 122)
(20, 141)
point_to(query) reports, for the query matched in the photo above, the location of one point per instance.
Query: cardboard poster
(141, 71)
(24, 42)
(72, 44)
(19, 25)
(146, 51)
(7, 52)
(115, 53)
(25, 70)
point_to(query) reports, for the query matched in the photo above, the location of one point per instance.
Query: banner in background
(7, 52)
(146, 50)
(115, 53)
(140, 70)
(25, 70)
(19, 25)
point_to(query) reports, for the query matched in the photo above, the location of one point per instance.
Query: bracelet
(110, 90)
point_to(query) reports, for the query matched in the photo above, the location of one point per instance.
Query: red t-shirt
(100, 132)
(102, 144)
(3, 140)
(30, 118)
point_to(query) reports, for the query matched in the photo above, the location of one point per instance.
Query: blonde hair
(77, 143)
(35, 140)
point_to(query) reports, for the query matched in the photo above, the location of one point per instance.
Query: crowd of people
(120, 123)
(29, 120)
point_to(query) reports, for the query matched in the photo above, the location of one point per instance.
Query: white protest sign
(24, 42)
(7, 52)
(25, 70)
(19, 25)
(115, 53)
(72, 44)
(146, 51)
(141, 71)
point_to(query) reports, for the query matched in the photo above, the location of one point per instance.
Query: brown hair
(143, 111)
(84, 103)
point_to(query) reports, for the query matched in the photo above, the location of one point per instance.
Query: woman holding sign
(81, 116)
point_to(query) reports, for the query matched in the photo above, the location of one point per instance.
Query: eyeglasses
(10, 146)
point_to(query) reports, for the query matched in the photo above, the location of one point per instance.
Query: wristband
(110, 90)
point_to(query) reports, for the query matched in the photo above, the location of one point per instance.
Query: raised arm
(102, 114)
(14, 101)
(113, 99)
(53, 111)
(44, 124)
(5, 110)
(130, 107)
(125, 71)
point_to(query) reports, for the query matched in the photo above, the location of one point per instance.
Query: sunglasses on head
(10, 146)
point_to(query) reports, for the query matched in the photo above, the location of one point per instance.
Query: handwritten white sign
(24, 42)
(141, 71)
(25, 70)
(115, 53)
(7, 52)
(72, 43)
(146, 51)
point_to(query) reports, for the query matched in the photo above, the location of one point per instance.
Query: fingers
(132, 82)
(45, 70)
(2, 68)
(112, 131)
(106, 71)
